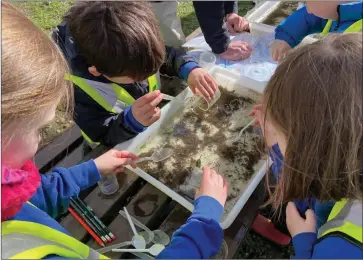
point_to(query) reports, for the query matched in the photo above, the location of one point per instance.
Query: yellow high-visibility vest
(29, 240)
(355, 27)
(345, 218)
(111, 97)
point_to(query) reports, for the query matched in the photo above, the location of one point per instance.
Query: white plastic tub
(229, 80)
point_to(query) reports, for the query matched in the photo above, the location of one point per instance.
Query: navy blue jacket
(100, 125)
(210, 15)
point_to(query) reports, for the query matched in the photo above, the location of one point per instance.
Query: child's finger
(155, 117)
(292, 212)
(225, 185)
(230, 28)
(220, 181)
(212, 83)
(126, 154)
(202, 90)
(146, 99)
(151, 112)
(206, 173)
(310, 217)
(210, 86)
(119, 169)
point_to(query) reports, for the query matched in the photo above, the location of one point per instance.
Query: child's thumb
(291, 211)
(310, 217)
(124, 161)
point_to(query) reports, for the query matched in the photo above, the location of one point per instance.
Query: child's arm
(61, 184)
(201, 237)
(178, 63)
(101, 126)
(298, 25)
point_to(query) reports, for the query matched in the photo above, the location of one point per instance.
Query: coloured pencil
(96, 218)
(90, 217)
(79, 211)
(87, 228)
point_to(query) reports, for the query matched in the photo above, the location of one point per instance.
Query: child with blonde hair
(32, 86)
(312, 107)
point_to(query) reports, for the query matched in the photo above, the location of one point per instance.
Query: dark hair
(118, 38)
(315, 99)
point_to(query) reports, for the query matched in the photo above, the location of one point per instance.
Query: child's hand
(199, 80)
(114, 161)
(213, 185)
(279, 49)
(296, 224)
(267, 132)
(237, 51)
(236, 23)
(145, 109)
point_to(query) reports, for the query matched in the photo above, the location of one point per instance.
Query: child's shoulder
(337, 247)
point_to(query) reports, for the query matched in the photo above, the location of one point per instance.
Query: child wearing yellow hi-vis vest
(316, 17)
(33, 84)
(116, 52)
(312, 108)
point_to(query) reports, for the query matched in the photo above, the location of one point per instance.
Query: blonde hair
(315, 99)
(32, 71)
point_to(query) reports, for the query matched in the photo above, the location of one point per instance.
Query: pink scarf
(17, 187)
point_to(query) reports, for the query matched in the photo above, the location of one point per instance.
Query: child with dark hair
(115, 52)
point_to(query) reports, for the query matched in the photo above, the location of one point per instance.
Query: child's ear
(94, 71)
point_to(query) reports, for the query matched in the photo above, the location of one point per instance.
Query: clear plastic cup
(207, 60)
(205, 105)
(109, 184)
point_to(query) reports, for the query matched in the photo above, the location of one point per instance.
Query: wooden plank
(175, 220)
(59, 144)
(73, 158)
(146, 207)
(105, 207)
(235, 234)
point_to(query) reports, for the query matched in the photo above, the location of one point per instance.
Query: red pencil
(86, 227)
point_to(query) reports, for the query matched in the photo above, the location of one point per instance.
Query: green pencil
(91, 218)
(89, 223)
(90, 210)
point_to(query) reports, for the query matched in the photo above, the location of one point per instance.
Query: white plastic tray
(227, 79)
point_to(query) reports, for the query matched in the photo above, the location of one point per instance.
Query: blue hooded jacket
(300, 24)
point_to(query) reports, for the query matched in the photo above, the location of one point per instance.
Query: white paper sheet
(259, 66)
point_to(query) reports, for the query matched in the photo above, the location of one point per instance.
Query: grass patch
(46, 15)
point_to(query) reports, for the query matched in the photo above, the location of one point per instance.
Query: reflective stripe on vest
(345, 217)
(29, 240)
(111, 97)
(355, 27)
